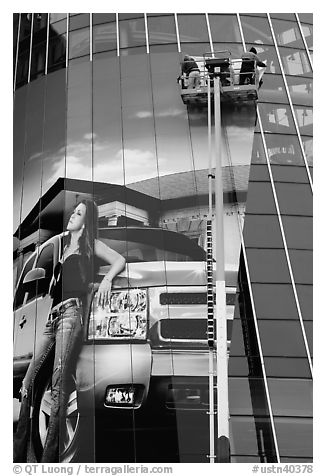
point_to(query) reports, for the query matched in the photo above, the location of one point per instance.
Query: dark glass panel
(38, 60)
(258, 173)
(241, 400)
(139, 50)
(161, 30)
(166, 48)
(54, 17)
(22, 69)
(274, 301)
(236, 49)
(308, 34)
(244, 366)
(304, 117)
(256, 30)
(127, 16)
(260, 198)
(311, 172)
(39, 23)
(224, 28)
(57, 52)
(58, 28)
(308, 326)
(54, 140)
(284, 16)
(281, 338)
(301, 261)
(268, 266)
(294, 198)
(301, 90)
(284, 149)
(258, 152)
(289, 173)
(295, 62)
(298, 232)
(104, 37)
(79, 43)
(237, 341)
(305, 296)
(306, 17)
(308, 148)
(288, 367)
(262, 231)
(252, 436)
(294, 436)
(276, 118)
(287, 34)
(25, 25)
(291, 397)
(132, 33)
(15, 34)
(78, 21)
(192, 28)
(273, 89)
(103, 18)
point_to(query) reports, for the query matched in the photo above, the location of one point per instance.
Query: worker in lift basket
(247, 72)
(189, 67)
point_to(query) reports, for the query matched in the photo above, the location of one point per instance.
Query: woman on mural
(63, 330)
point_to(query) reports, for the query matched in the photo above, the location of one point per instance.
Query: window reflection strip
(177, 31)
(47, 45)
(290, 101)
(67, 42)
(209, 32)
(304, 40)
(117, 29)
(146, 33)
(17, 47)
(91, 37)
(30, 50)
(261, 355)
(285, 245)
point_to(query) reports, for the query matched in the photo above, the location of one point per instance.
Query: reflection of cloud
(90, 136)
(171, 112)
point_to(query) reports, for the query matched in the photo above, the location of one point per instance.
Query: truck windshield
(151, 244)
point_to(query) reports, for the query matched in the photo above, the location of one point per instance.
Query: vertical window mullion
(177, 31)
(47, 45)
(290, 100)
(67, 42)
(17, 47)
(30, 50)
(118, 38)
(209, 32)
(91, 37)
(146, 33)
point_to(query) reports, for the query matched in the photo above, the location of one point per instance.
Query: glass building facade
(97, 112)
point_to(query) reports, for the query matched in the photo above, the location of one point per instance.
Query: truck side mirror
(34, 275)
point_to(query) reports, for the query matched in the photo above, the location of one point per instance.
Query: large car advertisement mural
(110, 303)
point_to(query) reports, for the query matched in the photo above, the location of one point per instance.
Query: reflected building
(98, 112)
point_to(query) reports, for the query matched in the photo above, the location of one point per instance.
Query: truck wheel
(70, 424)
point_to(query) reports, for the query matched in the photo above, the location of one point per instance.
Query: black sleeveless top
(69, 282)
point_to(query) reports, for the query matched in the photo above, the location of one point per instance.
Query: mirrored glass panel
(268, 55)
(306, 17)
(40, 21)
(58, 28)
(25, 25)
(301, 262)
(308, 34)
(259, 173)
(308, 148)
(281, 338)
(295, 62)
(267, 266)
(274, 301)
(294, 198)
(18, 153)
(289, 367)
(256, 30)
(276, 118)
(104, 37)
(79, 21)
(258, 152)
(161, 30)
(22, 69)
(298, 232)
(38, 60)
(284, 149)
(283, 16)
(294, 436)
(103, 18)
(304, 117)
(224, 28)
(79, 43)
(289, 173)
(291, 397)
(132, 33)
(287, 34)
(301, 90)
(244, 441)
(262, 231)
(273, 89)
(54, 17)
(192, 28)
(241, 400)
(57, 53)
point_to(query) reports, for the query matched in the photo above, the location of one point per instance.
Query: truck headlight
(125, 316)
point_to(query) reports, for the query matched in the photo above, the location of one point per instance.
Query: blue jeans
(63, 336)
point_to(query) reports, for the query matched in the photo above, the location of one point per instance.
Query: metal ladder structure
(220, 81)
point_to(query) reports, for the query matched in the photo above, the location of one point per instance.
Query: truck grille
(191, 298)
